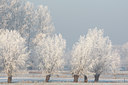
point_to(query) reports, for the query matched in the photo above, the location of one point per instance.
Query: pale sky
(73, 18)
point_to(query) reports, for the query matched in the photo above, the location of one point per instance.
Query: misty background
(73, 18)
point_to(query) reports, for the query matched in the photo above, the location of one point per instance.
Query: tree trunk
(9, 79)
(85, 79)
(76, 78)
(47, 78)
(97, 77)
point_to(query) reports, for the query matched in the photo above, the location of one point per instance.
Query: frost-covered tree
(94, 53)
(12, 15)
(80, 58)
(27, 19)
(24, 17)
(43, 25)
(43, 20)
(115, 61)
(124, 56)
(104, 58)
(50, 50)
(12, 52)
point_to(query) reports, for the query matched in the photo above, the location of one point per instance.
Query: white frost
(12, 51)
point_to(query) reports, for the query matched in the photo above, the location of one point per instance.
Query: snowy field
(52, 80)
(64, 78)
(62, 83)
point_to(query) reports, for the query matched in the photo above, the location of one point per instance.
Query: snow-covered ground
(64, 78)
(53, 80)
(63, 83)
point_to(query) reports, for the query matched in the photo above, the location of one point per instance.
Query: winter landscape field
(64, 79)
(36, 49)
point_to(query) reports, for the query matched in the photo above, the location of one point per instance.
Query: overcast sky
(73, 18)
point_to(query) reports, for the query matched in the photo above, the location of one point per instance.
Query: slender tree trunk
(9, 79)
(76, 78)
(85, 79)
(47, 78)
(97, 77)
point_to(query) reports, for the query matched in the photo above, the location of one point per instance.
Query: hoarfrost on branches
(50, 50)
(43, 18)
(104, 58)
(80, 57)
(94, 53)
(27, 20)
(24, 17)
(12, 51)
